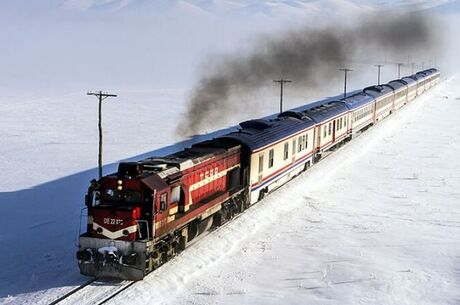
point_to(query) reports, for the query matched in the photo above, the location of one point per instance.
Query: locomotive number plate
(113, 221)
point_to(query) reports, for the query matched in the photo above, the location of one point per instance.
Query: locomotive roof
(397, 84)
(325, 111)
(256, 134)
(377, 91)
(176, 162)
(357, 100)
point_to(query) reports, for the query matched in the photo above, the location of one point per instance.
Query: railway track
(94, 292)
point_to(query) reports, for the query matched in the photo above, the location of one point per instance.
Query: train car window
(293, 147)
(163, 202)
(325, 131)
(303, 142)
(306, 141)
(271, 155)
(286, 150)
(330, 128)
(299, 148)
(261, 163)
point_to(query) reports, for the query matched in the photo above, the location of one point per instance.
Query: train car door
(333, 130)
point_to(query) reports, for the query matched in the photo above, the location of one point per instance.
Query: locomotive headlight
(120, 182)
(120, 188)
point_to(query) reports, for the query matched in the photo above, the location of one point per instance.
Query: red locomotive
(148, 211)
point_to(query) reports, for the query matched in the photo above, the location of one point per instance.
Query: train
(148, 211)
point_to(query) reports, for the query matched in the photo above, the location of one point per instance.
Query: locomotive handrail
(79, 226)
(138, 222)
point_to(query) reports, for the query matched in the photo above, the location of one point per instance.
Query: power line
(101, 96)
(282, 82)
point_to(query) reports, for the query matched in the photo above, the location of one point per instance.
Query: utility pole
(413, 65)
(282, 82)
(345, 70)
(378, 78)
(101, 96)
(399, 70)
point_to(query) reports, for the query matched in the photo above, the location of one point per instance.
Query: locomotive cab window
(163, 202)
(177, 194)
(95, 198)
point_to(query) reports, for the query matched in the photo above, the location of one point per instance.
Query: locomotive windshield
(114, 196)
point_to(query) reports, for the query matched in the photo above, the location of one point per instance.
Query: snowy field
(377, 222)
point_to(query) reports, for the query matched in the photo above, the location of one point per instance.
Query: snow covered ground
(375, 223)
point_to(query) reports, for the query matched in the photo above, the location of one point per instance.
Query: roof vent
(256, 124)
(291, 114)
(129, 169)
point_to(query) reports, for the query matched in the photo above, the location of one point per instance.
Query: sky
(69, 45)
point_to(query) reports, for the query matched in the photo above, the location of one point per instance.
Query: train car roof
(397, 84)
(416, 77)
(357, 100)
(259, 133)
(323, 112)
(377, 91)
(425, 73)
(409, 80)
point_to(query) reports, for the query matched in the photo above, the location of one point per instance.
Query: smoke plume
(307, 56)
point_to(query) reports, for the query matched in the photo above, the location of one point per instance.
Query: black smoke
(307, 56)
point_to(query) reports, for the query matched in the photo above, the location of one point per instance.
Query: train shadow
(39, 229)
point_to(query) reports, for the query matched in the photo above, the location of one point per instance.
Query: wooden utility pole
(282, 82)
(413, 65)
(345, 70)
(378, 77)
(101, 96)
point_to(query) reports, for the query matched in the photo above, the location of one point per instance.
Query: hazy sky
(73, 44)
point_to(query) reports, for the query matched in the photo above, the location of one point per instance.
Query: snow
(108, 250)
(374, 223)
